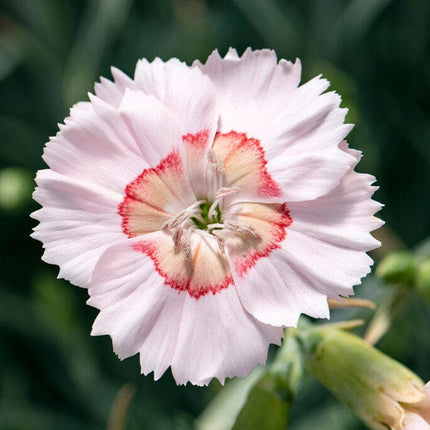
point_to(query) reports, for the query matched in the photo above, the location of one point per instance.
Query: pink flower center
(192, 213)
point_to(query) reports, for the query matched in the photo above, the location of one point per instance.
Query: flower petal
(249, 87)
(218, 338)
(98, 145)
(331, 268)
(206, 272)
(78, 221)
(201, 339)
(186, 92)
(190, 96)
(155, 130)
(344, 216)
(112, 92)
(276, 294)
(137, 310)
(298, 128)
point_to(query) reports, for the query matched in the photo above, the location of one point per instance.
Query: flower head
(205, 208)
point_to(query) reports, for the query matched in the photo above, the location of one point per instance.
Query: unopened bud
(423, 279)
(378, 389)
(398, 267)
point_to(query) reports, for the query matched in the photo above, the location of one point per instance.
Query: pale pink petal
(331, 268)
(205, 272)
(190, 96)
(253, 86)
(112, 92)
(95, 148)
(78, 221)
(155, 196)
(186, 92)
(344, 216)
(218, 338)
(154, 128)
(99, 145)
(138, 311)
(299, 129)
(201, 339)
(415, 422)
(420, 411)
(276, 294)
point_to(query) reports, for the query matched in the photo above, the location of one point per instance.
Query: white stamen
(219, 236)
(177, 235)
(183, 215)
(219, 195)
(186, 244)
(214, 163)
(215, 225)
(241, 228)
(177, 220)
(226, 191)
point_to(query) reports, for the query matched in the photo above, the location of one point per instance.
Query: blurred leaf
(270, 400)
(10, 52)
(263, 399)
(224, 408)
(279, 32)
(331, 415)
(49, 19)
(16, 186)
(102, 22)
(354, 22)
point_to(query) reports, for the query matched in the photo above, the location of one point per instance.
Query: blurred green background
(376, 53)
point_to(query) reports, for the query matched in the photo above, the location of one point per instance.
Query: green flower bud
(423, 279)
(378, 389)
(398, 267)
(16, 185)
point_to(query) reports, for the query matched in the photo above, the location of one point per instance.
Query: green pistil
(204, 213)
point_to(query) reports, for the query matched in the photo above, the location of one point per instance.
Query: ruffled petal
(218, 338)
(138, 311)
(343, 217)
(155, 196)
(204, 272)
(298, 128)
(212, 336)
(332, 269)
(78, 221)
(190, 96)
(112, 92)
(97, 143)
(186, 92)
(155, 130)
(276, 294)
(251, 87)
(415, 422)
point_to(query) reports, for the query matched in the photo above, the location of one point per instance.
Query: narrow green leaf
(101, 24)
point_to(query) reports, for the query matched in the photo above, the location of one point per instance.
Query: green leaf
(102, 22)
(270, 400)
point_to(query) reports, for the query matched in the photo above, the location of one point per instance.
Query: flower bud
(378, 389)
(398, 267)
(423, 279)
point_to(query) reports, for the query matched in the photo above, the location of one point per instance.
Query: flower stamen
(242, 228)
(186, 244)
(183, 215)
(219, 195)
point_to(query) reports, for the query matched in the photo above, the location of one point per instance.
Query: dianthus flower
(205, 208)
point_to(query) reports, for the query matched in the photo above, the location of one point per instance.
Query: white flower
(205, 208)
